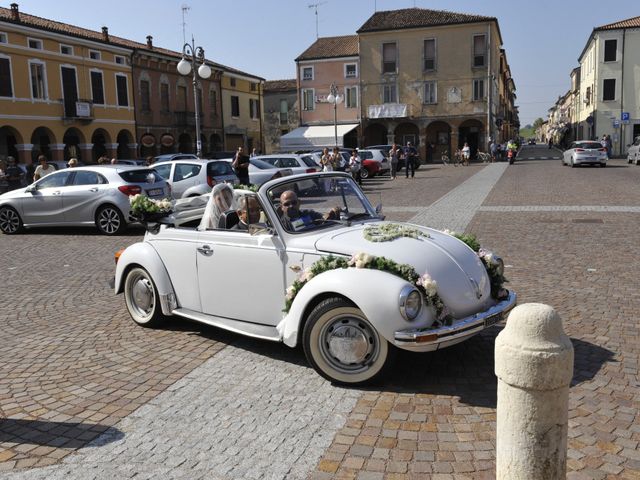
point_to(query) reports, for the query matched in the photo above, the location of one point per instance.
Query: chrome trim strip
(461, 328)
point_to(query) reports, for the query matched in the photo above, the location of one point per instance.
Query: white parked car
(328, 274)
(261, 172)
(377, 156)
(297, 163)
(585, 152)
(633, 154)
(190, 178)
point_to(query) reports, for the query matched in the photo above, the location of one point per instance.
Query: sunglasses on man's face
(288, 204)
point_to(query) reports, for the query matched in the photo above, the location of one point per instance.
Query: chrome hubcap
(349, 344)
(142, 297)
(9, 221)
(109, 220)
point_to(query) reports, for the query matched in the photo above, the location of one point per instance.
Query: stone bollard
(534, 366)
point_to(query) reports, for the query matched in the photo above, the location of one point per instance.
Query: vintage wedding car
(322, 270)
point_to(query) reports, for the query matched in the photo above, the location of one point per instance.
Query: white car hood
(463, 283)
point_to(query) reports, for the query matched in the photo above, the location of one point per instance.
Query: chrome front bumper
(462, 328)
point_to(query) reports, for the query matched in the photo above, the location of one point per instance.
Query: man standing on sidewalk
(410, 160)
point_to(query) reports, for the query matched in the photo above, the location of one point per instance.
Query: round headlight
(410, 302)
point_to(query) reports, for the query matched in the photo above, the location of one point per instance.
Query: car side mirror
(31, 188)
(379, 208)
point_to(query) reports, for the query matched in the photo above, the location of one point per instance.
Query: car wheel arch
(366, 289)
(312, 304)
(142, 255)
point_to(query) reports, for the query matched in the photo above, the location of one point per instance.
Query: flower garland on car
(251, 188)
(143, 206)
(492, 263)
(387, 232)
(425, 284)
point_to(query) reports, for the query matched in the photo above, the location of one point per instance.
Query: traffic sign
(616, 123)
(624, 116)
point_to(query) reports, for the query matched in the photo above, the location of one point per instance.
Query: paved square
(189, 401)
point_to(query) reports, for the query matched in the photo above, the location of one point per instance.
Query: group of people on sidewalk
(13, 176)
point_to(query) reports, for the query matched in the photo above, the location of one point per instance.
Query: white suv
(191, 178)
(633, 154)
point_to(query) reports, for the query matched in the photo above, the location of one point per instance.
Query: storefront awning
(315, 136)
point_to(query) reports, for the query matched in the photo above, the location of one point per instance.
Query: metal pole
(195, 102)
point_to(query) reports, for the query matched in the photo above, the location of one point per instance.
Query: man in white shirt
(43, 169)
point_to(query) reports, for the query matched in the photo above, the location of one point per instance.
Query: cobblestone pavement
(216, 405)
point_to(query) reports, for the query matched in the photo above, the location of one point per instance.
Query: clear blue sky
(542, 38)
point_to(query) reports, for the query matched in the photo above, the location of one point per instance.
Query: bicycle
(484, 157)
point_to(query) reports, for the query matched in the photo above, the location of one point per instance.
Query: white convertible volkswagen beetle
(322, 270)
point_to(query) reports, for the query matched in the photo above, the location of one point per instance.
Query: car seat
(228, 220)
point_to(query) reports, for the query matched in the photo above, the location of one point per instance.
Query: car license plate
(154, 192)
(492, 320)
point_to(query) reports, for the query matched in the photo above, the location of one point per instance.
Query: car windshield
(319, 201)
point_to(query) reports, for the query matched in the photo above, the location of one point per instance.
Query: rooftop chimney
(15, 13)
(105, 34)
(149, 41)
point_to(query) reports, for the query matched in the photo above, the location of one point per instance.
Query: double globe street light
(190, 56)
(335, 98)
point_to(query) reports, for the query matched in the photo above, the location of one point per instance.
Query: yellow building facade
(64, 91)
(242, 111)
(432, 78)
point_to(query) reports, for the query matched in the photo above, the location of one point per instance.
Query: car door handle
(94, 189)
(205, 250)
(56, 193)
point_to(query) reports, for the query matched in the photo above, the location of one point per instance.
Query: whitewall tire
(342, 345)
(141, 298)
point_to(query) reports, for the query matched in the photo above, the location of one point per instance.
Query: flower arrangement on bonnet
(144, 207)
(425, 284)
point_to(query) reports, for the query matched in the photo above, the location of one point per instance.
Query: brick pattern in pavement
(437, 417)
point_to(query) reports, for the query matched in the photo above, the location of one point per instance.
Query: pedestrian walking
(355, 164)
(409, 160)
(550, 143)
(466, 153)
(13, 174)
(326, 160)
(43, 169)
(394, 153)
(339, 162)
(240, 166)
(430, 149)
(493, 151)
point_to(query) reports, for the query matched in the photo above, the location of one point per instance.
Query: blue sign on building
(624, 116)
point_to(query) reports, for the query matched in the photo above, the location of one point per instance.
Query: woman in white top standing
(326, 161)
(466, 153)
(43, 169)
(355, 164)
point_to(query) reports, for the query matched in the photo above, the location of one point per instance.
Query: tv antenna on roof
(315, 6)
(185, 9)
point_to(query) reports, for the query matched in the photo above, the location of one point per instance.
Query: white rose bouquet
(147, 208)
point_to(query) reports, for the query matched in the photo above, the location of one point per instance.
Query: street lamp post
(335, 98)
(190, 55)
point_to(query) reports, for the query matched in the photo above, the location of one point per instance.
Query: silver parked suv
(191, 178)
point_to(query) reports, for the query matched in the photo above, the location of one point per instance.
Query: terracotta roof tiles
(331, 47)
(633, 22)
(84, 33)
(417, 18)
(280, 85)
